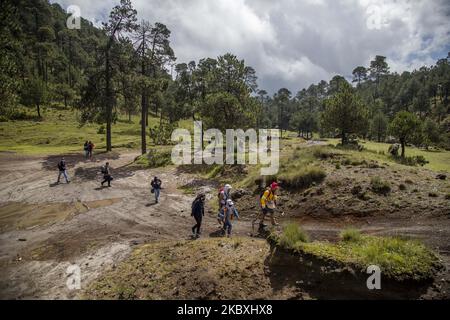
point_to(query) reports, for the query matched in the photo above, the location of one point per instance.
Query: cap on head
(230, 202)
(274, 186)
(227, 186)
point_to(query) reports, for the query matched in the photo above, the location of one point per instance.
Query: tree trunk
(108, 101)
(343, 140)
(65, 102)
(402, 142)
(38, 107)
(143, 126)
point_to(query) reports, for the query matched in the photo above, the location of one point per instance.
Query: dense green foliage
(129, 67)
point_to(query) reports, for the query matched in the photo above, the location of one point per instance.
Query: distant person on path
(230, 213)
(86, 149)
(198, 212)
(91, 147)
(107, 177)
(63, 170)
(156, 188)
(223, 196)
(268, 203)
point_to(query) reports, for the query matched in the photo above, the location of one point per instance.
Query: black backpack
(103, 169)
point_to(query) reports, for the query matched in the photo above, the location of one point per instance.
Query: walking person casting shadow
(198, 212)
(156, 188)
(107, 177)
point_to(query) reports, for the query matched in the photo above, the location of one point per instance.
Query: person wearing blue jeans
(230, 213)
(63, 170)
(156, 186)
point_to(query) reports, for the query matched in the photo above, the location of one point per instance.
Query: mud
(45, 227)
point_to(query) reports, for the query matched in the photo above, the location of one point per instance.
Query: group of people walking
(228, 212)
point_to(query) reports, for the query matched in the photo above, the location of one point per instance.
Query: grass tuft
(291, 236)
(351, 235)
(304, 178)
(380, 186)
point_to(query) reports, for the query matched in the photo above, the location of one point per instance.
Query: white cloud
(294, 43)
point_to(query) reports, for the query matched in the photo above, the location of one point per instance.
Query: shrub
(338, 166)
(101, 129)
(350, 235)
(433, 195)
(402, 187)
(356, 190)
(303, 178)
(291, 235)
(154, 159)
(447, 196)
(411, 161)
(322, 153)
(379, 186)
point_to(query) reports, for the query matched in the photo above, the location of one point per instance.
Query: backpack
(60, 166)
(103, 169)
(262, 193)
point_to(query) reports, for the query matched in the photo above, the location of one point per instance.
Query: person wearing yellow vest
(268, 203)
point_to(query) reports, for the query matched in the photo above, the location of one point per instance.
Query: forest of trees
(129, 67)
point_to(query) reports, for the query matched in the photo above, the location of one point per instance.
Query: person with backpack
(198, 212)
(268, 202)
(86, 150)
(107, 177)
(229, 213)
(90, 149)
(223, 195)
(63, 170)
(156, 188)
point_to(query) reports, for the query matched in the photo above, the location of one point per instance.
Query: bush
(411, 161)
(350, 235)
(402, 187)
(154, 159)
(323, 153)
(292, 234)
(379, 186)
(101, 129)
(304, 178)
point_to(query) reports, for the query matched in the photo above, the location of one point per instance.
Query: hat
(274, 185)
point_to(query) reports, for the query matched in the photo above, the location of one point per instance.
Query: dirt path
(44, 227)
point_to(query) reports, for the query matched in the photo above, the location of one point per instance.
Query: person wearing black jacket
(198, 211)
(63, 170)
(106, 170)
(156, 188)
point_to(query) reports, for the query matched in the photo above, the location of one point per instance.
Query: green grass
(59, 132)
(291, 235)
(351, 235)
(303, 178)
(438, 160)
(399, 259)
(155, 158)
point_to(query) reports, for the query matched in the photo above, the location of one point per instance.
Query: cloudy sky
(293, 43)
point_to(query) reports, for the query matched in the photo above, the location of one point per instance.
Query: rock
(21, 239)
(441, 176)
